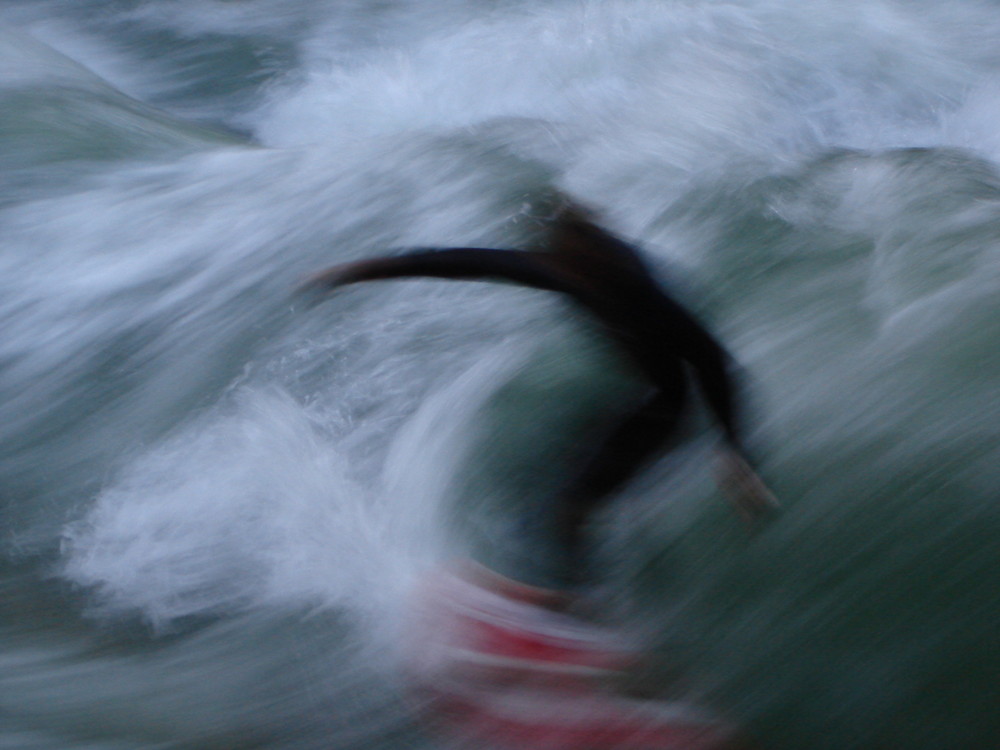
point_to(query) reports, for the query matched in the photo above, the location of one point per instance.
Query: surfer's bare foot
(559, 601)
(744, 488)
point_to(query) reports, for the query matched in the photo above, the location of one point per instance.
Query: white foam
(252, 508)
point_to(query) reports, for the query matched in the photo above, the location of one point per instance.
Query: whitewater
(216, 494)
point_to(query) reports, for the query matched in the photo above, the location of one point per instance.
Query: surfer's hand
(327, 279)
(745, 489)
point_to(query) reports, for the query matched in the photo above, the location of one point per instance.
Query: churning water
(214, 496)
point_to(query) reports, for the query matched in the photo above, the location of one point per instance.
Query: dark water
(214, 497)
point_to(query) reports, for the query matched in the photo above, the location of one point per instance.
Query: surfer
(608, 279)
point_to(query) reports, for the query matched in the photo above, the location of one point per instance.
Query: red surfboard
(497, 665)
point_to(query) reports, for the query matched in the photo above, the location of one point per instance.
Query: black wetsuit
(609, 280)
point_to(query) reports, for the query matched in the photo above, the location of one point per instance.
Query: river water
(216, 495)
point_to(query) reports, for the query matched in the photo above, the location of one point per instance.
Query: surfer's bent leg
(623, 453)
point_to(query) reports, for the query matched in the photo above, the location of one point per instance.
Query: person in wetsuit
(608, 279)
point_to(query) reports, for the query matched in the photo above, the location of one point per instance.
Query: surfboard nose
(494, 667)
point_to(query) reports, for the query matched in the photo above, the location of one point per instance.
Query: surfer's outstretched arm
(735, 474)
(751, 498)
(468, 263)
(712, 368)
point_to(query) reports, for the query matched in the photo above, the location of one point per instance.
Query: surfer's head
(570, 213)
(574, 231)
(586, 250)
